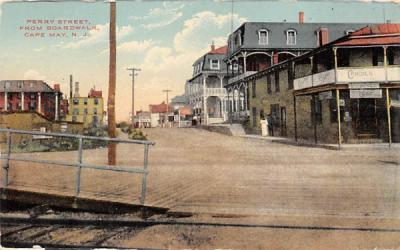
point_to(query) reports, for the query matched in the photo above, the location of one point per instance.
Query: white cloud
(204, 27)
(161, 17)
(170, 67)
(135, 46)
(98, 35)
(33, 75)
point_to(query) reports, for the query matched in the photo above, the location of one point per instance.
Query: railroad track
(22, 231)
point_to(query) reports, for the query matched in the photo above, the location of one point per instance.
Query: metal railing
(79, 164)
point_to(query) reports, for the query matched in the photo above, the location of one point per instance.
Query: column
(245, 97)
(205, 112)
(5, 101)
(388, 116)
(338, 118)
(39, 107)
(244, 54)
(22, 101)
(237, 100)
(56, 107)
(385, 62)
(222, 99)
(335, 62)
(221, 81)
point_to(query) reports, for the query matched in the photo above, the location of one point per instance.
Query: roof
(221, 51)
(25, 86)
(306, 35)
(95, 93)
(180, 99)
(216, 54)
(381, 34)
(159, 108)
(378, 29)
(185, 111)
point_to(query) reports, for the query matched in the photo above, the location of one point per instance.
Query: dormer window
(348, 32)
(263, 37)
(214, 64)
(20, 85)
(291, 37)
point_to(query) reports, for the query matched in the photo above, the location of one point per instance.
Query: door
(283, 121)
(367, 119)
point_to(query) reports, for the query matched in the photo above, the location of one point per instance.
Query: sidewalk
(289, 141)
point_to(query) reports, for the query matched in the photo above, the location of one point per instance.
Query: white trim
(211, 64)
(266, 37)
(287, 36)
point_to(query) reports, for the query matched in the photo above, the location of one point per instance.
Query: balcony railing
(209, 92)
(241, 77)
(349, 75)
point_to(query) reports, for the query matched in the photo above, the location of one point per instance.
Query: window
(377, 56)
(316, 110)
(277, 87)
(333, 110)
(263, 37)
(253, 89)
(95, 111)
(76, 101)
(85, 101)
(76, 112)
(96, 101)
(291, 37)
(238, 41)
(234, 66)
(214, 63)
(8, 85)
(73, 118)
(85, 111)
(20, 85)
(254, 113)
(269, 85)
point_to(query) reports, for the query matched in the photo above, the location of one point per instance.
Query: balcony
(216, 92)
(241, 77)
(350, 75)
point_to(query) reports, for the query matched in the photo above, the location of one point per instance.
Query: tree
(112, 147)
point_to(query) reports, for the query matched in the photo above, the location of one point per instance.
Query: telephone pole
(167, 91)
(133, 74)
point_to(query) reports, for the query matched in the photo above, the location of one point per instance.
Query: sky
(162, 38)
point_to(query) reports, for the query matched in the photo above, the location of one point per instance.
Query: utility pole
(133, 74)
(167, 91)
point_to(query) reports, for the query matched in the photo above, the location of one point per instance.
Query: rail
(79, 164)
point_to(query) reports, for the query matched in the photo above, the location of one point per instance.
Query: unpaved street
(241, 180)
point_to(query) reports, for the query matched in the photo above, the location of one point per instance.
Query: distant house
(205, 90)
(31, 95)
(88, 110)
(161, 114)
(142, 119)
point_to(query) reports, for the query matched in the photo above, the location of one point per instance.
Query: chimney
(301, 17)
(212, 46)
(275, 58)
(70, 86)
(323, 36)
(76, 89)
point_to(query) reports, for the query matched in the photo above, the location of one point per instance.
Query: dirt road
(244, 180)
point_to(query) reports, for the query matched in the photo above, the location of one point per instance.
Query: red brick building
(31, 95)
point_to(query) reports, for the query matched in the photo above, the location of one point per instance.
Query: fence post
(144, 177)
(6, 165)
(79, 167)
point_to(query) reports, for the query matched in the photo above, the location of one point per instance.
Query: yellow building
(88, 110)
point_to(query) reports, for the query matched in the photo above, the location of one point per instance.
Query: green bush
(136, 134)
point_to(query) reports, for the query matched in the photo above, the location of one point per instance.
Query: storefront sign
(361, 75)
(366, 85)
(325, 95)
(365, 93)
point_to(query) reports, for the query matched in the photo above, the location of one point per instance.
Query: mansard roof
(25, 86)
(306, 34)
